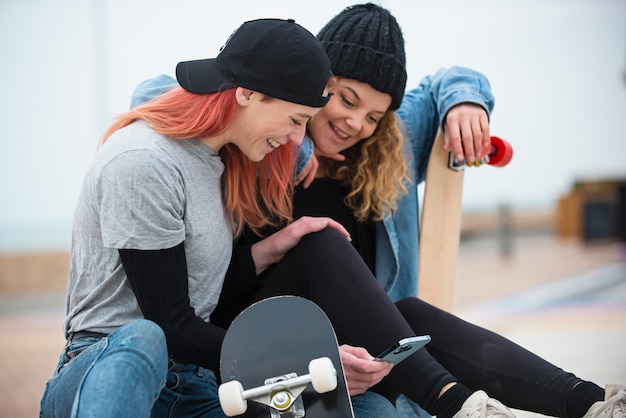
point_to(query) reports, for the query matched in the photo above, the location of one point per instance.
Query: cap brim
(201, 76)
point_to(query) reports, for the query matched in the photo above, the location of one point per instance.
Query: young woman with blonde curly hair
(371, 144)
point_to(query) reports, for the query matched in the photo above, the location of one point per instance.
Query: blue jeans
(120, 375)
(128, 374)
(373, 405)
(190, 391)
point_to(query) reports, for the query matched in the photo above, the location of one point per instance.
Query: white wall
(556, 69)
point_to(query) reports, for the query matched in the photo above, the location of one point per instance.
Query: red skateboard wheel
(501, 152)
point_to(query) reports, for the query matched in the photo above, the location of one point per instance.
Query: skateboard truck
(454, 164)
(281, 393)
(284, 401)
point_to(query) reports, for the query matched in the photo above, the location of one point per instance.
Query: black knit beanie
(364, 42)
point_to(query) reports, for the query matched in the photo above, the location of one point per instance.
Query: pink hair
(255, 194)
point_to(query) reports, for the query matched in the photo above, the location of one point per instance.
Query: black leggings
(326, 269)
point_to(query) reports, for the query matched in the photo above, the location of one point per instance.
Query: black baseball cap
(276, 57)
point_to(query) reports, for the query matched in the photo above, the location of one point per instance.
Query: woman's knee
(322, 263)
(146, 329)
(328, 246)
(143, 336)
(326, 236)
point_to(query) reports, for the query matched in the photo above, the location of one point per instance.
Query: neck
(215, 142)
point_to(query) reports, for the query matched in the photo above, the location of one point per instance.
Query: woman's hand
(361, 370)
(307, 175)
(272, 249)
(466, 132)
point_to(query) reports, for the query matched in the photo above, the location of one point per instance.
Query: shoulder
(136, 151)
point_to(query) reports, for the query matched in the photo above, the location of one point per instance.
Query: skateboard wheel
(231, 398)
(501, 152)
(323, 375)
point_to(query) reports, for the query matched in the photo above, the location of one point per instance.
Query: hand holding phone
(403, 348)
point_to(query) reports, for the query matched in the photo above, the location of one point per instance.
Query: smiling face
(263, 124)
(351, 115)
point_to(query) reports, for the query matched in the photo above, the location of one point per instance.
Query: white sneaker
(480, 405)
(613, 406)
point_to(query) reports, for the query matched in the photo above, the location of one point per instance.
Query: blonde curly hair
(375, 171)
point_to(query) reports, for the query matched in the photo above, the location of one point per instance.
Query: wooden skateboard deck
(277, 339)
(440, 227)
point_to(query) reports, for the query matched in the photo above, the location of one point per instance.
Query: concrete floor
(565, 301)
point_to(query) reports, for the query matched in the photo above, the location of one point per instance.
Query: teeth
(340, 133)
(273, 143)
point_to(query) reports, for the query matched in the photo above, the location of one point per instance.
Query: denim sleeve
(456, 85)
(151, 88)
(305, 152)
(424, 108)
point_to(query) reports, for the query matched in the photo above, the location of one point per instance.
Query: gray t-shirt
(149, 192)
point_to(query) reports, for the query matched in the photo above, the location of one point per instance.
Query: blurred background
(542, 253)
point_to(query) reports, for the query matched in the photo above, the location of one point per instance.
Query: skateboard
(440, 225)
(280, 359)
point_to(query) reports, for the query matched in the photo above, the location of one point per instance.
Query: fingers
(361, 370)
(308, 172)
(272, 249)
(358, 352)
(359, 381)
(339, 227)
(485, 129)
(452, 140)
(308, 224)
(471, 139)
(467, 132)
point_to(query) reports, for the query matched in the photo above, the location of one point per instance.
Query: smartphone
(403, 348)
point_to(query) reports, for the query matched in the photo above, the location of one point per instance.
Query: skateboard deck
(280, 350)
(440, 226)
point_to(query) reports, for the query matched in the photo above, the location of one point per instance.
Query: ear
(332, 81)
(330, 86)
(244, 96)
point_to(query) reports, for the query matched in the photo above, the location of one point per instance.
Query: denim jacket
(422, 112)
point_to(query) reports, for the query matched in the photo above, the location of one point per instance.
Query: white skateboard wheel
(323, 375)
(231, 398)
